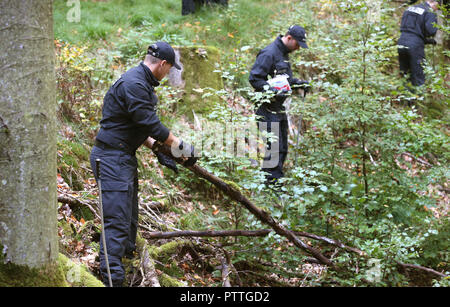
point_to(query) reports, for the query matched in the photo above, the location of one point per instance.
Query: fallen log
(236, 195)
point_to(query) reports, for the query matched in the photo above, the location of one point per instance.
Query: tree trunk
(28, 223)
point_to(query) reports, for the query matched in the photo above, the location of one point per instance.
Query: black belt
(120, 146)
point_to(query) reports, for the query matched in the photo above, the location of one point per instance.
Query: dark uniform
(188, 6)
(273, 60)
(129, 118)
(416, 28)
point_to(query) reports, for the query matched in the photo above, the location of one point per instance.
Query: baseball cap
(299, 33)
(163, 51)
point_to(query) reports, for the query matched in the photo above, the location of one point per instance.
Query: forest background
(367, 169)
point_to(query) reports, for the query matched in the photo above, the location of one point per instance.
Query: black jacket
(129, 111)
(417, 25)
(270, 61)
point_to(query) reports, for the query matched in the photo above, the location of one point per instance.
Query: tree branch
(419, 267)
(246, 233)
(236, 195)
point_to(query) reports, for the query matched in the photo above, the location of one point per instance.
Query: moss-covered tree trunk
(28, 223)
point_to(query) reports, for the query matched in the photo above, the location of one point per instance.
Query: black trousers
(119, 183)
(276, 150)
(188, 6)
(410, 60)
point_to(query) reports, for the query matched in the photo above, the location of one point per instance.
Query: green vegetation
(369, 170)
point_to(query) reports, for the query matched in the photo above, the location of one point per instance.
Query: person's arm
(141, 107)
(260, 71)
(430, 21)
(178, 147)
(171, 139)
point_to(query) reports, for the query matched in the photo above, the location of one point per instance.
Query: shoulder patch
(417, 10)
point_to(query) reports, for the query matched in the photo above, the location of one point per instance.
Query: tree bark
(28, 206)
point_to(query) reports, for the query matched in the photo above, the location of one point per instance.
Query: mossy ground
(61, 273)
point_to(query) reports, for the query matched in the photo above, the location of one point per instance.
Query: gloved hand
(283, 93)
(430, 41)
(188, 151)
(166, 161)
(304, 85)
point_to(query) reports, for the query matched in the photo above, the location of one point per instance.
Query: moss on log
(198, 73)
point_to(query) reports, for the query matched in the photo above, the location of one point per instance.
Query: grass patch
(243, 22)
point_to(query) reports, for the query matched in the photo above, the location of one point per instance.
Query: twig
(331, 241)
(417, 159)
(73, 201)
(370, 156)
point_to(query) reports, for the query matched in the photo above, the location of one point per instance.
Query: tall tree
(28, 223)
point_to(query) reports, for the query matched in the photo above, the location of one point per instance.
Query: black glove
(166, 161)
(283, 93)
(430, 41)
(189, 152)
(304, 85)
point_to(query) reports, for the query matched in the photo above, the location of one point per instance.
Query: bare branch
(419, 267)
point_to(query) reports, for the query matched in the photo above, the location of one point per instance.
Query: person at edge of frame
(129, 120)
(417, 29)
(189, 6)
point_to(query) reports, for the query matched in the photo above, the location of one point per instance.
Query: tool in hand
(105, 250)
(299, 128)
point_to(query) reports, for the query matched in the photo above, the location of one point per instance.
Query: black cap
(163, 51)
(299, 33)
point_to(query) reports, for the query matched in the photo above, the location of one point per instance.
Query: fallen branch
(419, 267)
(331, 241)
(417, 159)
(246, 233)
(208, 233)
(149, 275)
(236, 195)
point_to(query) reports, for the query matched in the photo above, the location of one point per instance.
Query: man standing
(129, 120)
(272, 61)
(417, 26)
